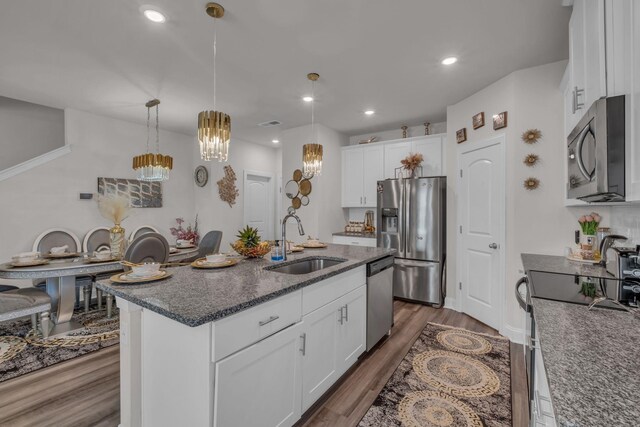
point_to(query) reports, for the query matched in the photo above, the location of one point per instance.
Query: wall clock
(201, 176)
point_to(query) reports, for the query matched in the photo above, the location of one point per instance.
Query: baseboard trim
(451, 303)
(516, 335)
(36, 161)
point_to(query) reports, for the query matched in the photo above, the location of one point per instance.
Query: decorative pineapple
(249, 244)
(249, 237)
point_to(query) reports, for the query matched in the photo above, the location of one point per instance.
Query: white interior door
(481, 192)
(258, 202)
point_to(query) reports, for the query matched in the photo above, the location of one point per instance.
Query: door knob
(493, 245)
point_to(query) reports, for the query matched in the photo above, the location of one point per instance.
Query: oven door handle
(521, 301)
(581, 166)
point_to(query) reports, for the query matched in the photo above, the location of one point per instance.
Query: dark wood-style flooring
(85, 391)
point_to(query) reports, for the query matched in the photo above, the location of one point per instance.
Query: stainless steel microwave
(596, 153)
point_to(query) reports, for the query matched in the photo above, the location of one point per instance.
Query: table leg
(63, 297)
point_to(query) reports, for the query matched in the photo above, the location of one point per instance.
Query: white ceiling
(105, 57)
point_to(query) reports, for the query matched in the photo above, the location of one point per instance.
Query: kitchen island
(588, 357)
(243, 345)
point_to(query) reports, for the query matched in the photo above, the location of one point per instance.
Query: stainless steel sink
(306, 265)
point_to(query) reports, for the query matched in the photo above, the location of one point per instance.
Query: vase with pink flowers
(589, 226)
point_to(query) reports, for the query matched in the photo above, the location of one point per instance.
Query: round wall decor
(201, 176)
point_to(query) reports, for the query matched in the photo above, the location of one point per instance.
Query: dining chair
(140, 231)
(96, 239)
(55, 237)
(148, 247)
(210, 243)
(27, 302)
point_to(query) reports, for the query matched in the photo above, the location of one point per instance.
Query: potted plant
(589, 227)
(411, 163)
(190, 233)
(115, 208)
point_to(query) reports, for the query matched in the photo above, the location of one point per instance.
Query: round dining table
(60, 276)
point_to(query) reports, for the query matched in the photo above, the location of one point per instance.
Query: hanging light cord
(148, 128)
(215, 48)
(313, 96)
(157, 131)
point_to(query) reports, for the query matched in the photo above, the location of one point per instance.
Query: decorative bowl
(259, 251)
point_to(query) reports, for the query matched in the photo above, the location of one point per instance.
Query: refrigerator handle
(402, 247)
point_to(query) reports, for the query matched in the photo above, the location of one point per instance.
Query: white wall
(47, 196)
(323, 216)
(536, 221)
(213, 213)
(391, 134)
(28, 130)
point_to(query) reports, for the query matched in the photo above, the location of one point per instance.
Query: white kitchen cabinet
(393, 154)
(334, 336)
(431, 150)
(355, 241)
(352, 333)
(623, 78)
(362, 168)
(587, 60)
(373, 163)
(260, 385)
(320, 361)
(542, 413)
(430, 146)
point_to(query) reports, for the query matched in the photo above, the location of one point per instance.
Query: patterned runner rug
(21, 351)
(450, 377)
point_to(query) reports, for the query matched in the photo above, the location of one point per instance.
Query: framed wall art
(142, 194)
(478, 120)
(461, 135)
(500, 121)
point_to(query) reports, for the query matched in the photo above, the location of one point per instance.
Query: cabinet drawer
(354, 240)
(319, 294)
(247, 327)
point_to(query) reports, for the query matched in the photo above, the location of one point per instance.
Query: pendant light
(312, 152)
(149, 166)
(214, 127)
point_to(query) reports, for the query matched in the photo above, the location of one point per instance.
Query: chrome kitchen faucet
(284, 232)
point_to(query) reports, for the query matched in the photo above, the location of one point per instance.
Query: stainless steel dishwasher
(379, 300)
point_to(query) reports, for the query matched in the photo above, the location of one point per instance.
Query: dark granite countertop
(592, 364)
(195, 297)
(561, 265)
(362, 235)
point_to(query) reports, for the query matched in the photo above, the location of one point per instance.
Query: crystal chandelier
(312, 152)
(214, 127)
(149, 166)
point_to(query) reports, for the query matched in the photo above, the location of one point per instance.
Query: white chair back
(96, 239)
(142, 230)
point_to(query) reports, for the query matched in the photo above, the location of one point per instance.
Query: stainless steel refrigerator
(411, 218)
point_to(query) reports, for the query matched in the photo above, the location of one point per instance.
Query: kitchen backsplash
(625, 220)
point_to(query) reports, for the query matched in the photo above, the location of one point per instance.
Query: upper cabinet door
(576, 57)
(352, 173)
(595, 79)
(431, 150)
(373, 159)
(393, 154)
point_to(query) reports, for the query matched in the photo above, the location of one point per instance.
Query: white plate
(128, 278)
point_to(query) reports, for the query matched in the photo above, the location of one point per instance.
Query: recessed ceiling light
(275, 141)
(369, 112)
(450, 60)
(154, 16)
(307, 98)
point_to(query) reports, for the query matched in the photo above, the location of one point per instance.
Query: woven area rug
(22, 351)
(450, 377)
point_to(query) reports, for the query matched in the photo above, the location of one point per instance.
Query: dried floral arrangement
(531, 183)
(412, 162)
(114, 207)
(531, 136)
(190, 233)
(227, 186)
(531, 159)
